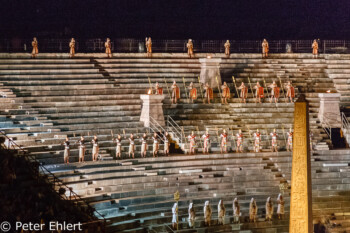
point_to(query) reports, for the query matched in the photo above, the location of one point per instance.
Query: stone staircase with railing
(93, 95)
(56, 97)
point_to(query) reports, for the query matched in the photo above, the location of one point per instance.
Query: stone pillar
(210, 69)
(329, 111)
(152, 106)
(301, 194)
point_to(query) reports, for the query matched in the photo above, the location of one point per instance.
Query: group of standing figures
(82, 143)
(253, 212)
(238, 141)
(258, 92)
(204, 140)
(148, 44)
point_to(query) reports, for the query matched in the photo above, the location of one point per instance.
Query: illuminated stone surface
(210, 71)
(301, 194)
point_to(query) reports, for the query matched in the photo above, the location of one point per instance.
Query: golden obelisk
(301, 194)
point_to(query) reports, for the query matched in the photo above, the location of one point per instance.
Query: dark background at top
(176, 19)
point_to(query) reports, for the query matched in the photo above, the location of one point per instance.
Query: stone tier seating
(137, 195)
(47, 98)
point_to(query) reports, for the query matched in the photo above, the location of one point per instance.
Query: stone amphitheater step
(144, 218)
(91, 94)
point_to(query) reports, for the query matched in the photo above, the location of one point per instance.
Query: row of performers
(237, 214)
(192, 140)
(225, 92)
(148, 42)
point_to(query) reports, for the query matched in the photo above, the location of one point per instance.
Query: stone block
(152, 110)
(329, 112)
(210, 72)
(190, 171)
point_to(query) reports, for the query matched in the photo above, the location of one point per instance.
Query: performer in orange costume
(190, 48)
(193, 92)
(35, 50)
(227, 48)
(208, 95)
(315, 49)
(259, 93)
(265, 48)
(225, 93)
(158, 89)
(275, 92)
(175, 95)
(244, 92)
(108, 47)
(149, 46)
(72, 48)
(290, 91)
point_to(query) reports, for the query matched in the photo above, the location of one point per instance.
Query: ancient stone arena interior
(53, 97)
(129, 135)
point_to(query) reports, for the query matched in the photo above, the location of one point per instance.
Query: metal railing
(125, 45)
(156, 127)
(51, 178)
(175, 129)
(344, 122)
(327, 128)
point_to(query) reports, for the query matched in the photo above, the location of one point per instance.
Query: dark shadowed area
(162, 19)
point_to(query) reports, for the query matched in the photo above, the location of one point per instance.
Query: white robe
(175, 213)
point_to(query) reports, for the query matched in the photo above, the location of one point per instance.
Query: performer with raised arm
(192, 92)
(253, 210)
(82, 149)
(290, 91)
(227, 46)
(166, 143)
(257, 140)
(244, 92)
(189, 46)
(118, 149)
(269, 209)
(239, 141)
(72, 48)
(158, 89)
(208, 95)
(221, 212)
(290, 140)
(35, 46)
(207, 213)
(259, 92)
(314, 49)
(265, 49)
(175, 94)
(223, 141)
(192, 139)
(108, 47)
(95, 148)
(206, 143)
(236, 211)
(144, 145)
(225, 93)
(280, 206)
(155, 144)
(148, 44)
(274, 137)
(132, 146)
(275, 92)
(66, 153)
